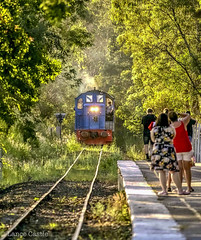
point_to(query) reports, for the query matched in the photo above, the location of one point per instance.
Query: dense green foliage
(144, 53)
(35, 48)
(25, 65)
(51, 160)
(163, 38)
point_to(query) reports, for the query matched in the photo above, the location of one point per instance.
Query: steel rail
(19, 220)
(81, 219)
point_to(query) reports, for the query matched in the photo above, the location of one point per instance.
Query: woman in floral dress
(164, 157)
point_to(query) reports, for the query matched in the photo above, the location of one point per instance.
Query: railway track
(17, 226)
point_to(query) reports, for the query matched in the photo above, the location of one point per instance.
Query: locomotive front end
(91, 120)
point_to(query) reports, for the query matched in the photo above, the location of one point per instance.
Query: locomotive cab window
(99, 98)
(89, 98)
(80, 103)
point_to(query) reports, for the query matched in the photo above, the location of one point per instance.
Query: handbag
(193, 161)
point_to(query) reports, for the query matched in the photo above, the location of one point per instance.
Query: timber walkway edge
(156, 217)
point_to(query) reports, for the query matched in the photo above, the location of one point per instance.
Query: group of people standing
(172, 148)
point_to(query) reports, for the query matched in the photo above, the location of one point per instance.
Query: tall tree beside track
(25, 64)
(68, 38)
(33, 47)
(163, 37)
(104, 61)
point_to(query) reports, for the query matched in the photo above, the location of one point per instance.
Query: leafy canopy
(163, 38)
(24, 67)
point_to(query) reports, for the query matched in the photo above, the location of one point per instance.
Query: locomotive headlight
(94, 109)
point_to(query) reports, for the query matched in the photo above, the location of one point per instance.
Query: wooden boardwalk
(150, 218)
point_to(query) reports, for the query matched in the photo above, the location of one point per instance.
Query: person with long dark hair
(164, 156)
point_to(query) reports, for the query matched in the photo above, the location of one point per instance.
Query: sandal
(192, 190)
(169, 189)
(184, 193)
(162, 193)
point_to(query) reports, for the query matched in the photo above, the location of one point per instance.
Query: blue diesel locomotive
(94, 117)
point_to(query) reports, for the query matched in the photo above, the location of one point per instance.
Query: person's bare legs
(163, 180)
(169, 180)
(146, 150)
(150, 149)
(180, 163)
(187, 174)
(177, 181)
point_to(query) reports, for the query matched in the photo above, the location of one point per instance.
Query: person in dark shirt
(146, 120)
(109, 112)
(190, 127)
(190, 134)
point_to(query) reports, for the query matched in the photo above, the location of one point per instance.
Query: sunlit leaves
(163, 37)
(21, 73)
(56, 10)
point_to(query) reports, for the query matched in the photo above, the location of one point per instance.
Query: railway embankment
(26, 213)
(58, 217)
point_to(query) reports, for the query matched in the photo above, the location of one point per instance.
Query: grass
(23, 163)
(135, 153)
(51, 160)
(88, 161)
(116, 209)
(51, 226)
(3, 228)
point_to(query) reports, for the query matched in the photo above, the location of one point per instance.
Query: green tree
(67, 40)
(163, 39)
(104, 62)
(23, 66)
(38, 41)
